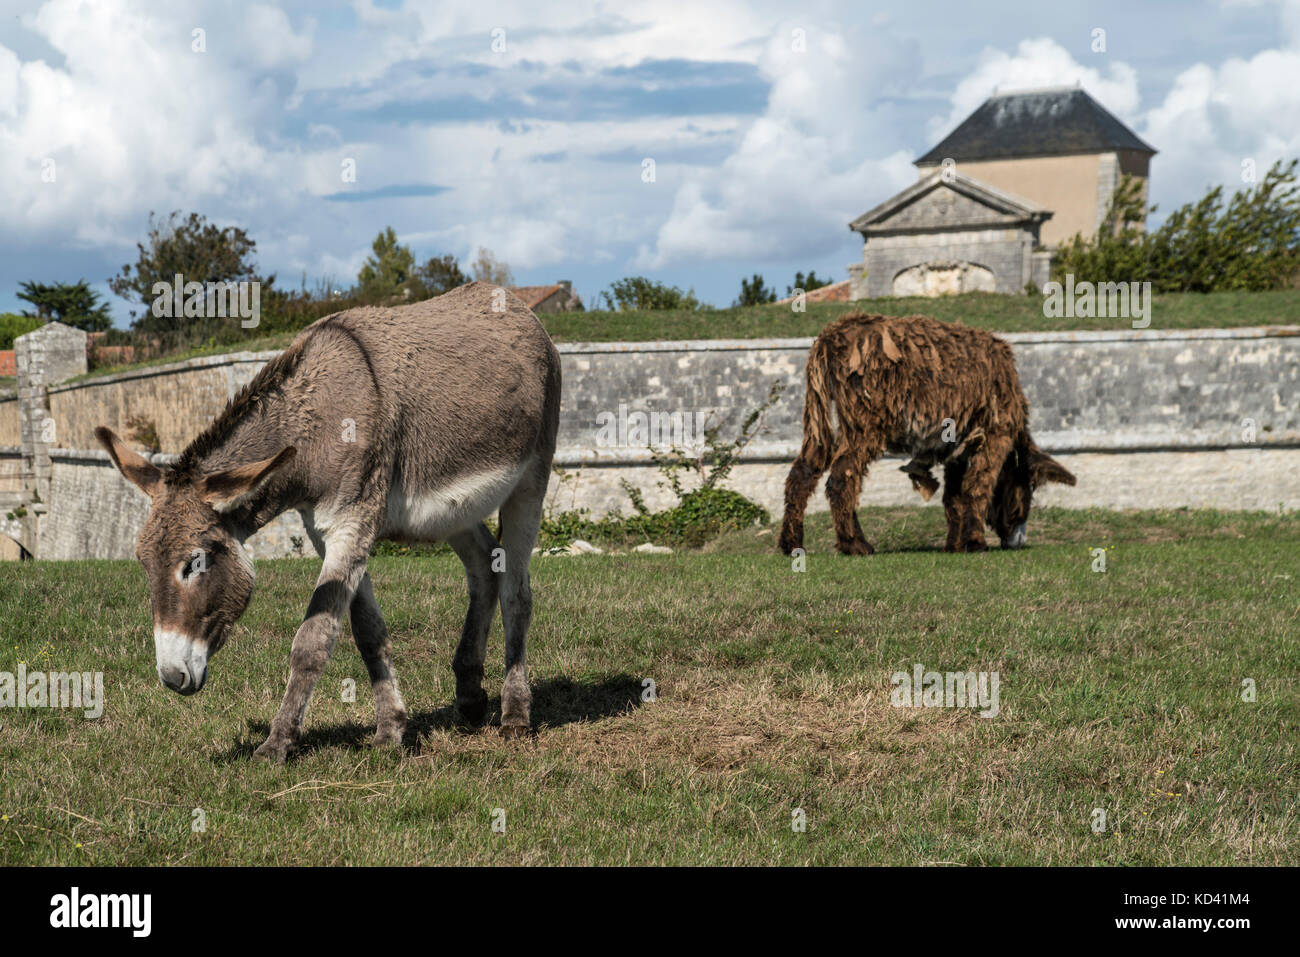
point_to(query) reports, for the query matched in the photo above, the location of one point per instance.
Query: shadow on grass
(556, 702)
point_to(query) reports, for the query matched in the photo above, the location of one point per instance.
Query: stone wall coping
(1100, 335)
(184, 365)
(99, 455)
(726, 345)
(576, 456)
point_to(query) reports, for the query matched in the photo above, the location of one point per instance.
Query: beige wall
(1068, 185)
(179, 400)
(11, 474)
(10, 433)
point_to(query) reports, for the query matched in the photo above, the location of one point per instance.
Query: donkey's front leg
(339, 579)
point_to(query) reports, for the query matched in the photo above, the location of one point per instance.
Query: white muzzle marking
(1017, 539)
(182, 662)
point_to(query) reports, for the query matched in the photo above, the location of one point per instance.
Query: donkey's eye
(193, 567)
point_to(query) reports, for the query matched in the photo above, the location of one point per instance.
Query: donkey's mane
(247, 401)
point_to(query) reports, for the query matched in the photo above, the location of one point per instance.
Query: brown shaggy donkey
(940, 392)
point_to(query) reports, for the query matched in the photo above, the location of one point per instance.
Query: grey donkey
(411, 423)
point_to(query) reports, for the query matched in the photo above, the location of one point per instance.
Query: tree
(487, 268)
(754, 293)
(1251, 243)
(438, 275)
(195, 249)
(806, 283)
(387, 271)
(73, 304)
(638, 292)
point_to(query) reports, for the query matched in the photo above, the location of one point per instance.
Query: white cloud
(271, 39)
(136, 121)
(1037, 63)
(1214, 118)
(133, 119)
(809, 164)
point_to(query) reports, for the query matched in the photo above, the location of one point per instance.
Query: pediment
(941, 202)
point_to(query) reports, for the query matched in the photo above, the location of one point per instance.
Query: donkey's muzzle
(180, 680)
(182, 664)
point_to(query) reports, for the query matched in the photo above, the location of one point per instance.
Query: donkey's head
(200, 577)
(1024, 470)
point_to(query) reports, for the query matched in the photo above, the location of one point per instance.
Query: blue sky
(524, 127)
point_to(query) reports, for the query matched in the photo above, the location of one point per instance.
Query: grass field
(1119, 690)
(1001, 313)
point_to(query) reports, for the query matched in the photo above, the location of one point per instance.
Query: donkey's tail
(818, 431)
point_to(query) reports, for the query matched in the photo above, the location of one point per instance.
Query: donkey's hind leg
(521, 516)
(371, 635)
(474, 546)
(799, 485)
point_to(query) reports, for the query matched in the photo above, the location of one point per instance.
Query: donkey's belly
(433, 515)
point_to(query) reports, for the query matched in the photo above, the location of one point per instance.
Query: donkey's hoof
(789, 542)
(277, 752)
(513, 731)
(472, 710)
(975, 545)
(389, 737)
(857, 547)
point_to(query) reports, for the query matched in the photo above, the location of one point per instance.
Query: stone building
(557, 298)
(1023, 173)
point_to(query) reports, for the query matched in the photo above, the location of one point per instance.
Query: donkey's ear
(143, 474)
(1043, 469)
(232, 483)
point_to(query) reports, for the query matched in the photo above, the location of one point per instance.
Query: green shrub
(699, 516)
(13, 325)
(638, 292)
(1250, 244)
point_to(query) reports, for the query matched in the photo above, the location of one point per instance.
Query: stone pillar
(44, 357)
(858, 280)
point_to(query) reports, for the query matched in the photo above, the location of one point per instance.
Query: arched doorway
(944, 278)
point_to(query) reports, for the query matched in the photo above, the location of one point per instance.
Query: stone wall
(96, 513)
(1145, 418)
(177, 399)
(1121, 390)
(1005, 252)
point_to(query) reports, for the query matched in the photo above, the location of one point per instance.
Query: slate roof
(1035, 123)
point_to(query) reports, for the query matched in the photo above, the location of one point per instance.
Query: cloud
(764, 151)
(826, 148)
(109, 135)
(1215, 119)
(1037, 63)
